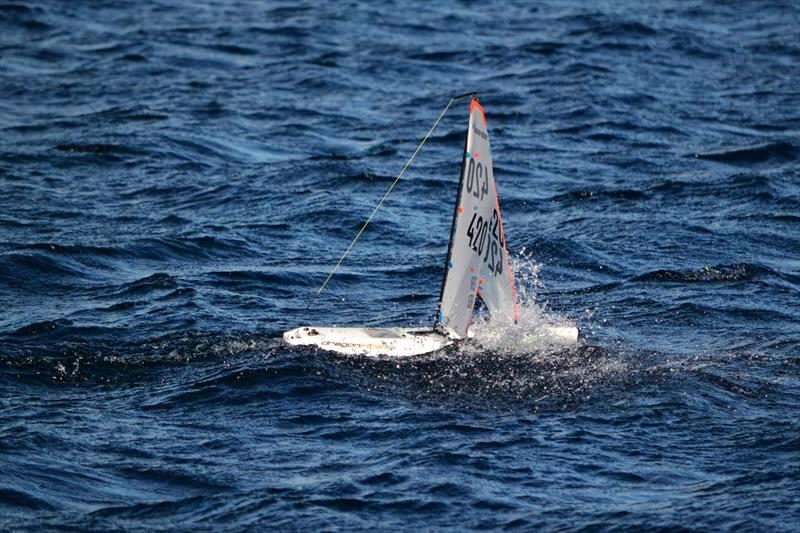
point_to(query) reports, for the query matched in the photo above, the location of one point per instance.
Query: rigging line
(397, 179)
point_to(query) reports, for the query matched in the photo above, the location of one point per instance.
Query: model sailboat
(477, 266)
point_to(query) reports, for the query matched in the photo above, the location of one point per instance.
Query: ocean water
(178, 178)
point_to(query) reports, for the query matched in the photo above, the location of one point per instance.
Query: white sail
(477, 260)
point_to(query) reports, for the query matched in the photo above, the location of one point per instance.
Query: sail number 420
(477, 182)
(488, 244)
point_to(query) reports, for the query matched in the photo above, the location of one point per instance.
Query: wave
(29, 18)
(740, 187)
(772, 153)
(18, 498)
(160, 281)
(29, 263)
(708, 274)
(95, 149)
(29, 268)
(619, 194)
(59, 351)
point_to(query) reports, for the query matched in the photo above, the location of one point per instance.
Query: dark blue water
(177, 179)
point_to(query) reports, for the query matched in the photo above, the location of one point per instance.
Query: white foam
(537, 329)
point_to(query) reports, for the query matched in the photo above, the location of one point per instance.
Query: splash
(528, 364)
(537, 331)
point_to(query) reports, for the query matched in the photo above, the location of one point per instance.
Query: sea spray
(533, 332)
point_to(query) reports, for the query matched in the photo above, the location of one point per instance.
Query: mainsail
(477, 258)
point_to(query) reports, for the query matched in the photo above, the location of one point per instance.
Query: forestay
(477, 259)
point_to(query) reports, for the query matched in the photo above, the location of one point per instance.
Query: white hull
(394, 342)
(373, 342)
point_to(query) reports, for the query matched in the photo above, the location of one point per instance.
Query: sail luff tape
(389, 190)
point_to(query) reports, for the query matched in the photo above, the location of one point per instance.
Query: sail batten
(477, 261)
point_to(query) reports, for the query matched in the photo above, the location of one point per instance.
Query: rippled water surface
(177, 179)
